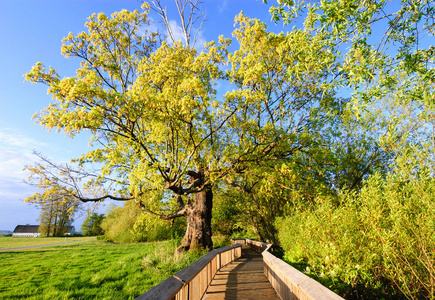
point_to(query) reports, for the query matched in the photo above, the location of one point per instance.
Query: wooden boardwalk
(242, 279)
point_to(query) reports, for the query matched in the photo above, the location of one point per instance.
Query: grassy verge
(10, 242)
(89, 270)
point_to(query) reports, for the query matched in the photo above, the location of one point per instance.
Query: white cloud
(13, 190)
(12, 164)
(14, 140)
(16, 152)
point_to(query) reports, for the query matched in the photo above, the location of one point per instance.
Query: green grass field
(9, 242)
(89, 270)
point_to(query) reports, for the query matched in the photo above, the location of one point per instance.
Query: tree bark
(198, 216)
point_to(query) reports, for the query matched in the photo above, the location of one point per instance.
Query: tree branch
(179, 213)
(84, 199)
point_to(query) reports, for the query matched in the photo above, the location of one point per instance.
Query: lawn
(89, 270)
(10, 242)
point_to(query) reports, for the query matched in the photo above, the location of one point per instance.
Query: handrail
(288, 282)
(192, 281)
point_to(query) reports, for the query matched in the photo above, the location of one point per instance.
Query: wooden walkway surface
(242, 279)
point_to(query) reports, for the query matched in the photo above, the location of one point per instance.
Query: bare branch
(189, 12)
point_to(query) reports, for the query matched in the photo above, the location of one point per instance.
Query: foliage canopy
(162, 126)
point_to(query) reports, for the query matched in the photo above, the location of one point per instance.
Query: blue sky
(31, 31)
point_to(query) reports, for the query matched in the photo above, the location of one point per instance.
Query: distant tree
(92, 225)
(57, 210)
(57, 202)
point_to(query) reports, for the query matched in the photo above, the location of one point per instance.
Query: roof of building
(34, 228)
(26, 229)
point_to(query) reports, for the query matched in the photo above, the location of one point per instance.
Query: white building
(33, 231)
(26, 231)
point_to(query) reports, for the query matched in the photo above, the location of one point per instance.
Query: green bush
(129, 224)
(244, 234)
(221, 241)
(150, 228)
(119, 222)
(379, 242)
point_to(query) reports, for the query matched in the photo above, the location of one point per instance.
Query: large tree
(166, 135)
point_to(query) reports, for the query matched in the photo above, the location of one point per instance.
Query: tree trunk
(55, 226)
(198, 216)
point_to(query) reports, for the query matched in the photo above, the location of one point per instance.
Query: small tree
(56, 215)
(92, 225)
(56, 201)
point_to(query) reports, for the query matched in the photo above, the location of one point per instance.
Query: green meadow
(91, 269)
(9, 242)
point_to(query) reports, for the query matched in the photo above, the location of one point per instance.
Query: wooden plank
(281, 284)
(192, 270)
(242, 279)
(203, 280)
(183, 294)
(164, 290)
(194, 289)
(239, 241)
(315, 290)
(290, 283)
(238, 252)
(285, 269)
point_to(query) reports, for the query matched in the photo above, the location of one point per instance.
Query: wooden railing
(192, 281)
(288, 282)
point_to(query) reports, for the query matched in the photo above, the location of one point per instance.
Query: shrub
(149, 228)
(119, 222)
(130, 224)
(379, 242)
